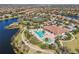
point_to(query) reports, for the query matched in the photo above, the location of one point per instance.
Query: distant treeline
(41, 5)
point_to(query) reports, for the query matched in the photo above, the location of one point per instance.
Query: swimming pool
(41, 34)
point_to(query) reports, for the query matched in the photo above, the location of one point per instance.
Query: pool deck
(33, 33)
(41, 39)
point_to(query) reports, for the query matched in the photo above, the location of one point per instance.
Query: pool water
(41, 34)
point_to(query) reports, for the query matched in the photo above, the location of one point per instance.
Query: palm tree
(58, 37)
(46, 39)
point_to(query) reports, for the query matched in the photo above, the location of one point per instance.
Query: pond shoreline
(6, 35)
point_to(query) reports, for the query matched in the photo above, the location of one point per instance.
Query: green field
(73, 44)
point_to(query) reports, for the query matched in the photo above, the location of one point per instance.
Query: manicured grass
(74, 44)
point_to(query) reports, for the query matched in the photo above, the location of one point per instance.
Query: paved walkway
(33, 46)
(73, 38)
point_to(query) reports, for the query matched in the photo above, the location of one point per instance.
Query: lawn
(74, 44)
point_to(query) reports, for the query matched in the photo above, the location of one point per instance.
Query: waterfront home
(71, 27)
(1, 17)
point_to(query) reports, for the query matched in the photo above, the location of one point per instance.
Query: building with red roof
(56, 29)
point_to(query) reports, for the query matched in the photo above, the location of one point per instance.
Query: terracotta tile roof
(56, 29)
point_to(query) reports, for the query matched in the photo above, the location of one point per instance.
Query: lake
(73, 17)
(6, 35)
